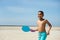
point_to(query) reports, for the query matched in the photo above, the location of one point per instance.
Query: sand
(15, 33)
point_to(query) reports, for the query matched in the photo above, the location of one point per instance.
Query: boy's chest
(41, 22)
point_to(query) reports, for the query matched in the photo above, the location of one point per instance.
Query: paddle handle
(32, 30)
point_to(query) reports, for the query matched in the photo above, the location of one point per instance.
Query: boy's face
(40, 15)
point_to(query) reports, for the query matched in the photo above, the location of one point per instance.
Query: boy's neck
(41, 19)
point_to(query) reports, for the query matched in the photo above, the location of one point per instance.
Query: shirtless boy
(41, 24)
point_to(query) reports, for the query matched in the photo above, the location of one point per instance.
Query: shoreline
(17, 27)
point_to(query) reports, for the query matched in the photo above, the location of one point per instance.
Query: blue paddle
(25, 28)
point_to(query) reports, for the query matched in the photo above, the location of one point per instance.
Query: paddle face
(25, 28)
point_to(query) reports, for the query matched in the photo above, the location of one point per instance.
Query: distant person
(41, 24)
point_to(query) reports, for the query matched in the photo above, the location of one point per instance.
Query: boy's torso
(41, 25)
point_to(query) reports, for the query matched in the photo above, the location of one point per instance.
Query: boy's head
(40, 14)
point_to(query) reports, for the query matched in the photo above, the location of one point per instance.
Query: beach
(15, 33)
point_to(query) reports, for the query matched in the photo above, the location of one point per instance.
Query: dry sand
(15, 33)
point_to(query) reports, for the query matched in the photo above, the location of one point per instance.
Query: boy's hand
(32, 30)
(48, 33)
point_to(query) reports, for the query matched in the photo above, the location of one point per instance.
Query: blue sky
(24, 12)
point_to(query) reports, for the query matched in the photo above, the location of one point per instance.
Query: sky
(24, 12)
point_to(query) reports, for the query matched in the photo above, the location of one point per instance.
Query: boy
(41, 23)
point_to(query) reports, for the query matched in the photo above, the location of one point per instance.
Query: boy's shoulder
(46, 20)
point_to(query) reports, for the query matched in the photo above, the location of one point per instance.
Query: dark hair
(41, 12)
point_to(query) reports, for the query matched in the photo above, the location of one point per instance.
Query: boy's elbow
(50, 26)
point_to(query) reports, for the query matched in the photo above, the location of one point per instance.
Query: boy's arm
(50, 26)
(35, 29)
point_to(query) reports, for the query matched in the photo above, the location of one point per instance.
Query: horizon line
(22, 25)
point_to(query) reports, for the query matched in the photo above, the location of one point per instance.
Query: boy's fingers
(48, 33)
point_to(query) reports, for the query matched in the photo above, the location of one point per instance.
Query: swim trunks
(42, 36)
